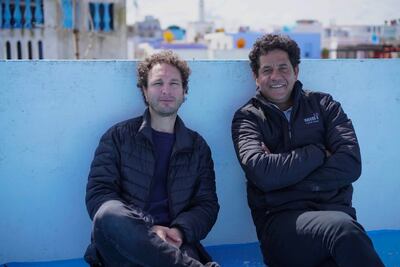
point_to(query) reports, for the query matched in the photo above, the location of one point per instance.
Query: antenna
(201, 11)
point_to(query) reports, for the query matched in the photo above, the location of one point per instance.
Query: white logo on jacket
(313, 119)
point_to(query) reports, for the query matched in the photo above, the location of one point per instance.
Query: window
(30, 50)
(101, 16)
(19, 50)
(17, 14)
(8, 50)
(40, 49)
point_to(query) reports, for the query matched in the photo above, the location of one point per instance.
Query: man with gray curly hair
(151, 188)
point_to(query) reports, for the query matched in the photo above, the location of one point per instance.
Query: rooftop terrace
(52, 114)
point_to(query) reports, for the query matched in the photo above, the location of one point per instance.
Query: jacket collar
(183, 139)
(297, 88)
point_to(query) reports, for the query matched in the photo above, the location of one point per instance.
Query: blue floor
(386, 242)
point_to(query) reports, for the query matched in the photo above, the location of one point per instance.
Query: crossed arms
(309, 167)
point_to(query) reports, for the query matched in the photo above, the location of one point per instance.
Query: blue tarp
(386, 242)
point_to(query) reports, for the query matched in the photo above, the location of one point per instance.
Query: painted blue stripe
(96, 19)
(67, 14)
(28, 15)
(17, 14)
(7, 15)
(107, 18)
(38, 12)
(1, 15)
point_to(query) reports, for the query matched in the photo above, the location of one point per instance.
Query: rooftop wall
(52, 114)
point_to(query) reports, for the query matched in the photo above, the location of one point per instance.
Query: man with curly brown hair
(151, 187)
(300, 154)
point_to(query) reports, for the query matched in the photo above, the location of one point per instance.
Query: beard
(165, 110)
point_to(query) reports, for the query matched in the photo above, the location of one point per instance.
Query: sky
(230, 14)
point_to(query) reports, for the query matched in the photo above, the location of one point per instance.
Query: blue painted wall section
(67, 14)
(309, 43)
(52, 114)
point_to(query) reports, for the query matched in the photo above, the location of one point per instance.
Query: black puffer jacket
(123, 168)
(297, 174)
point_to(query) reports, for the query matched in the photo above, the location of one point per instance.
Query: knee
(348, 227)
(347, 230)
(113, 218)
(116, 233)
(108, 215)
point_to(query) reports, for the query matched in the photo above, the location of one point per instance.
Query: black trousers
(316, 239)
(122, 238)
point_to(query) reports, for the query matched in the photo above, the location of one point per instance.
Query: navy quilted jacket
(297, 174)
(123, 167)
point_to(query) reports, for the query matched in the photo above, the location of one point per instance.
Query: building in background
(198, 29)
(22, 31)
(307, 34)
(98, 29)
(185, 50)
(237, 45)
(362, 41)
(62, 29)
(147, 31)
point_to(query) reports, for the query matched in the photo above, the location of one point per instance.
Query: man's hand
(172, 236)
(265, 148)
(160, 231)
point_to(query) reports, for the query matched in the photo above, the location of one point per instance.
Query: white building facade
(62, 29)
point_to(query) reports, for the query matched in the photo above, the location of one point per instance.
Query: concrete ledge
(52, 114)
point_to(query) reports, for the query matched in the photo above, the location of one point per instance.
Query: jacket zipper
(288, 123)
(151, 181)
(169, 181)
(169, 186)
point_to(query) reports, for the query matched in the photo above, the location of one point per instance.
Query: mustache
(166, 98)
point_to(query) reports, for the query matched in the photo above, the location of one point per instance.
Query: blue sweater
(158, 206)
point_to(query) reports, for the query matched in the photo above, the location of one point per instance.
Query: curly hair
(167, 57)
(269, 42)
